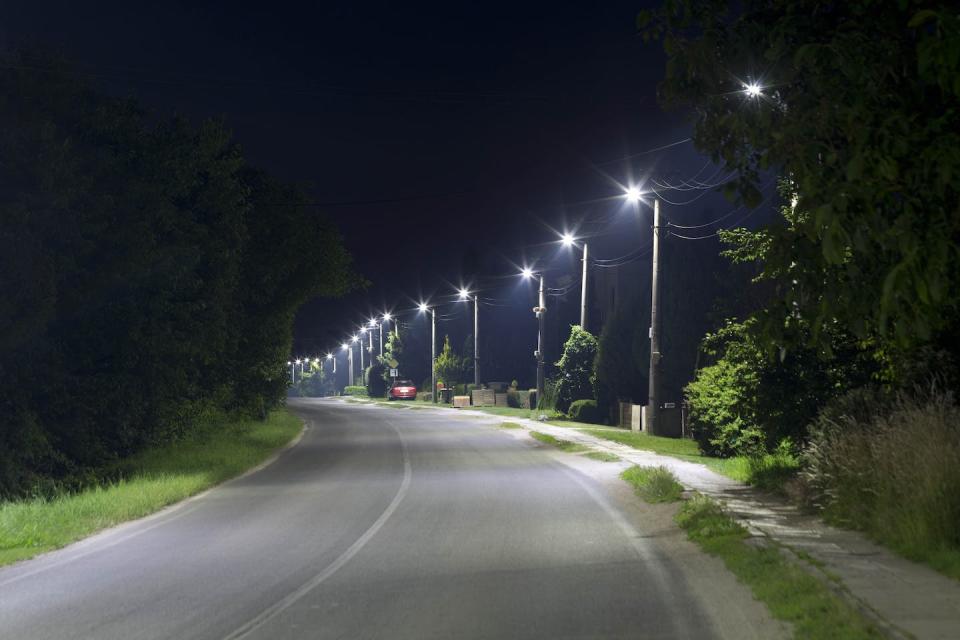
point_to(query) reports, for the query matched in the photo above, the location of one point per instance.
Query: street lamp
(569, 241)
(465, 295)
(363, 369)
(293, 372)
(753, 90)
(652, 410)
(433, 348)
(346, 347)
(541, 312)
(354, 340)
(330, 357)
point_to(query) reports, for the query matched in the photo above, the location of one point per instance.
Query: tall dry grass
(892, 469)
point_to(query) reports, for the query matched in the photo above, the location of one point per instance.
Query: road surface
(384, 523)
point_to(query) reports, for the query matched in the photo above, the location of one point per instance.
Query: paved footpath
(904, 599)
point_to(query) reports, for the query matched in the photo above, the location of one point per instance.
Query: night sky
(447, 142)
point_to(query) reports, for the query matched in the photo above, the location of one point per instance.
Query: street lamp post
(433, 350)
(363, 370)
(541, 322)
(653, 399)
(569, 241)
(465, 295)
(293, 372)
(354, 341)
(541, 312)
(652, 410)
(349, 350)
(583, 288)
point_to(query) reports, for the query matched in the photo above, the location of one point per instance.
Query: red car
(403, 390)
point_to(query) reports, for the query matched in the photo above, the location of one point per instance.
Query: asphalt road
(380, 523)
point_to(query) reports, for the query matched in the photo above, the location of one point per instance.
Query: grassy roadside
(788, 591)
(769, 473)
(152, 480)
(563, 445)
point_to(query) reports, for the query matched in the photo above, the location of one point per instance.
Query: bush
(749, 401)
(424, 396)
(575, 379)
(653, 484)
(549, 400)
(585, 411)
(376, 386)
(355, 390)
(513, 398)
(893, 472)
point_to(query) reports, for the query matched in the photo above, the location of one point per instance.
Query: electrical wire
(643, 153)
(736, 224)
(723, 217)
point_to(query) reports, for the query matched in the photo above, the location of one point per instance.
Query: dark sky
(443, 140)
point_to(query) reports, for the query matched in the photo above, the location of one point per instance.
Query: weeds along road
(387, 523)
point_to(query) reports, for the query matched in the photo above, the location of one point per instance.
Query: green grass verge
(513, 412)
(563, 445)
(152, 479)
(602, 456)
(790, 593)
(510, 425)
(769, 472)
(653, 484)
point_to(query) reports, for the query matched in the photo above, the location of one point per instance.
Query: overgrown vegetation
(790, 593)
(770, 471)
(653, 484)
(147, 481)
(892, 468)
(563, 445)
(857, 278)
(585, 411)
(575, 377)
(148, 276)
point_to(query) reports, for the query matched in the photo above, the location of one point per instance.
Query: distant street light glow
(353, 339)
(329, 356)
(527, 273)
(387, 317)
(753, 90)
(567, 240)
(423, 307)
(345, 346)
(633, 195)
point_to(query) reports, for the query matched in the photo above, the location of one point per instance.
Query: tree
(575, 377)
(450, 366)
(856, 103)
(148, 277)
(746, 402)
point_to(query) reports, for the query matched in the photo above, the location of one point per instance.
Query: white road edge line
(292, 598)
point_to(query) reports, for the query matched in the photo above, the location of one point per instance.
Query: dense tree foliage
(575, 378)
(146, 276)
(858, 107)
(747, 403)
(623, 354)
